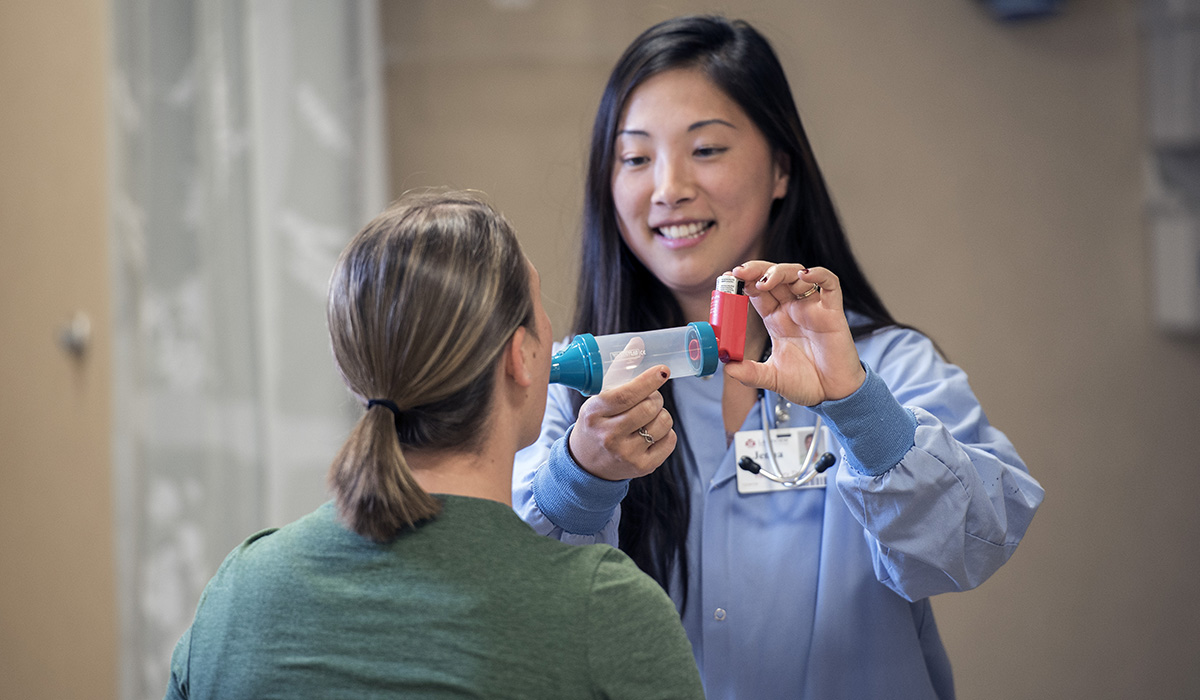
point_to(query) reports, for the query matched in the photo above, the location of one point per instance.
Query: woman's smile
(677, 236)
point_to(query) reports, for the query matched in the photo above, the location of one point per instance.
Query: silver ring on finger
(646, 436)
(815, 288)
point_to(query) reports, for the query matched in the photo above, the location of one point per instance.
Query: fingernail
(804, 269)
(763, 278)
(663, 374)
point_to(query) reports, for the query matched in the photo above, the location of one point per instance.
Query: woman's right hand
(606, 441)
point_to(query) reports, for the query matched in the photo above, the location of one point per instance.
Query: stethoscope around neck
(810, 467)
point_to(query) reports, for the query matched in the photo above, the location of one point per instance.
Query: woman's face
(693, 181)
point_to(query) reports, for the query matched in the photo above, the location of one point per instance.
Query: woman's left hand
(813, 357)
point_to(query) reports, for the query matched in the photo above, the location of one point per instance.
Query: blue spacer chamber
(591, 365)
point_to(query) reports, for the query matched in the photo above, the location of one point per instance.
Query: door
(58, 629)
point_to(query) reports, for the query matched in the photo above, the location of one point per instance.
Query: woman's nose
(673, 183)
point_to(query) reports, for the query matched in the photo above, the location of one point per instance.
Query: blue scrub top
(821, 592)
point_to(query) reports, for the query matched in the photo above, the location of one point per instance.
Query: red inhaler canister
(727, 316)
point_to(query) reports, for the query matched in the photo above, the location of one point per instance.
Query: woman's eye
(709, 151)
(633, 161)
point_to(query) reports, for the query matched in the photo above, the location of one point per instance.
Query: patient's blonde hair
(421, 304)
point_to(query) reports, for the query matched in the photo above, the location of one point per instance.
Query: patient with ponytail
(417, 579)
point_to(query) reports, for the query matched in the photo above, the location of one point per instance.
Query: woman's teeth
(684, 231)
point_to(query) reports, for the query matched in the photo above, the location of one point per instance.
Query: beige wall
(58, 627)
(990, 178)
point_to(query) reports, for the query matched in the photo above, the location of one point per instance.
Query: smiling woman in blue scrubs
(699, 165)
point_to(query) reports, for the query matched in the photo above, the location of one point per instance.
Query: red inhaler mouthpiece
(727, 316)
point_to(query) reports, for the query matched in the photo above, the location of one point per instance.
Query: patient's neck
(484, 473)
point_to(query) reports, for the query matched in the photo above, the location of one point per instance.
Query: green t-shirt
(471, 604)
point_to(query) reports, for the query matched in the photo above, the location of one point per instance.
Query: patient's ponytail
(376, 493)
(421, 303)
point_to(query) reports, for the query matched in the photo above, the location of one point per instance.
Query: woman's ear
(517, 359)
(783, 168)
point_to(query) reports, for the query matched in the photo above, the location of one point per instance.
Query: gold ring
(815, 288)
(646, 436)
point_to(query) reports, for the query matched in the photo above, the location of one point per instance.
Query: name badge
(790, 446)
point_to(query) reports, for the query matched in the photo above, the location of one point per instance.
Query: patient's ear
(517, 358)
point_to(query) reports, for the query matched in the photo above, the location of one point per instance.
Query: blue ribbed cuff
(570, 497)
(872, 425)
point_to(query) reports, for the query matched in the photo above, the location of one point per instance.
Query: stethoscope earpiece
(749, 465)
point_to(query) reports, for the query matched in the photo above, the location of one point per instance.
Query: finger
(637, 418)
(798, 291)
(620, 399)
(780, 280)
(779, 275)
(775, 279)
(752, 273)
(650, 455)
(659, 451)
(751, 270)
(624, 423)
(790, 282)
(817, 287)
(820, 276)
(657, 427)
(749, 373)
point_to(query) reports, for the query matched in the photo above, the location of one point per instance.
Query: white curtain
(247, 147)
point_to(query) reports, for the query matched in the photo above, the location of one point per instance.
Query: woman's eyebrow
(707, 122)
(698, 125)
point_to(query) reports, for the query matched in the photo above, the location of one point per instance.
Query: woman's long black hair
(618, 294)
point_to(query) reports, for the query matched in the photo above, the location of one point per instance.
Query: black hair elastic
(389, 405)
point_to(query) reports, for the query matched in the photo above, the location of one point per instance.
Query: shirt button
(719, 614)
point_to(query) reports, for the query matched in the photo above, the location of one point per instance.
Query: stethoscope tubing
(810, 466)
